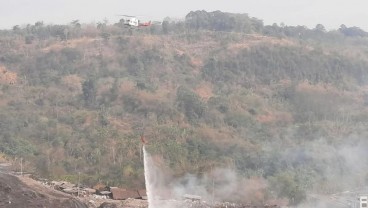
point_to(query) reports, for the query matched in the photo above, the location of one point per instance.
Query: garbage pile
(98, 192)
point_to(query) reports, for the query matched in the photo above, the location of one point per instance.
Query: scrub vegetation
(281, 105)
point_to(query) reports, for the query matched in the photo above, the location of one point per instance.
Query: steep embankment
(15, 193)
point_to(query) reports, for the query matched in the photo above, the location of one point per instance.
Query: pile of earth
(24, 192)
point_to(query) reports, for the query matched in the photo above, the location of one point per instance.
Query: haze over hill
(331, 13)
(284, 108)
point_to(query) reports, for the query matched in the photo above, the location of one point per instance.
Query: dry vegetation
(203, 93)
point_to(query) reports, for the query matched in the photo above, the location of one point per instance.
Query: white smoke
(341, 167)
(216, 185)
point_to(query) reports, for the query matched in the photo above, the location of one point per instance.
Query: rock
(108, 205)
(122, 194)
(89, 190)
(91, 204)
(105, 192)
(192, 197)
(71, 190)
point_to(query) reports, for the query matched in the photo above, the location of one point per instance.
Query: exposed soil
(24, 192)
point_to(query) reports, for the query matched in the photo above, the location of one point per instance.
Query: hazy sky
(331, 13)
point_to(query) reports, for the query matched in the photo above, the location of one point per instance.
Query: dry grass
(73, 83)
(127, 86)
(275, 118)
(74, 43)
(7, 77)
(123, 125)
(204, 90)
(3, 158)
(253, 40)
(223, 137)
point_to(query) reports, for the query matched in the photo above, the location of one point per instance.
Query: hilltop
(283, 106)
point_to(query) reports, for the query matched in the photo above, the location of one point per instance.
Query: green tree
(190, 103)
(89, 89)
(286, 185)
(76, 24)
(320, 27)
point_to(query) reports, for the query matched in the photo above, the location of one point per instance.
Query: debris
(122, 194)
(192, 197)
(89, 191)
(142, 193)
(25, 192)
(70, 190)
(105, 192)
(108, 205)
(100, 187)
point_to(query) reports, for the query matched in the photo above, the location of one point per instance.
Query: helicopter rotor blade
(123, 15)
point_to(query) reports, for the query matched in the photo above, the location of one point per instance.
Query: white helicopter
(134, 22)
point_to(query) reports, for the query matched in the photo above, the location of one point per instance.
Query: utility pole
(21, 166)
(140, 152)
(213, 191)
(213, 187)
(78, 182)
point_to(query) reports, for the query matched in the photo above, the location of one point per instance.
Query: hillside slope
(283, 105)
(15, 193)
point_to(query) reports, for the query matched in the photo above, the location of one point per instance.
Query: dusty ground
(109, 203)
(16, 193)
(24, 192)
